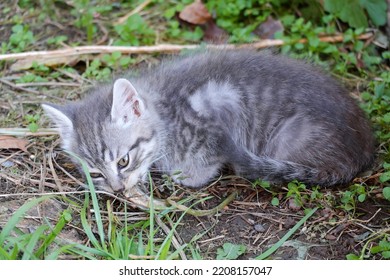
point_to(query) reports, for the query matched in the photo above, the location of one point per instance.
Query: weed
(353, 11)
(57, 40)
(101, 69)
(32, 122)
(84, 11)
(230, 251)
(115, 60)
(239, 18)
(380, 249)
(96, 71)
(134, 32)
(20, 39)
(297, 191)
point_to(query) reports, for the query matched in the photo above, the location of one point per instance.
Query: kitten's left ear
(126, 103)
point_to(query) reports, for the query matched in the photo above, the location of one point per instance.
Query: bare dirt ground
(37, 167)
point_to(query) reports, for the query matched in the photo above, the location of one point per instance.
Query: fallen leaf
(195, 13)
(230, 251)
(330, 237)
(214, 34)
(267, 29)
(292, 204)
(27, 63)
(10, 142)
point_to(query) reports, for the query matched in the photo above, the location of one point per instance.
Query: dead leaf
(10, 142)
(27, 63)
(267, 29)
(195, 13)
(214, 34)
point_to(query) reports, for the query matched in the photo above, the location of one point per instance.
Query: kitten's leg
(252, 166)
(196, 174)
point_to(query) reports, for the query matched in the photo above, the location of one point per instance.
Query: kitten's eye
(96, 175)
(123, 162)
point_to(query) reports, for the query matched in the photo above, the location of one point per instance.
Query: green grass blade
(151, 217)
(140, 247)
(88, 252)
(7, 229)
(4, 254)
(86, 226)
(64, 219)
(95, 203)
(276, 246)
(35, 237)
(55, 253)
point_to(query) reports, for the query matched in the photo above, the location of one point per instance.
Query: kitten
(267, 116)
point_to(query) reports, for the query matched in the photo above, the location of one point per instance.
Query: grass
(108, 227)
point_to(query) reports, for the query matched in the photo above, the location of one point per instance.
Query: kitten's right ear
(58, 116)
(127, 105)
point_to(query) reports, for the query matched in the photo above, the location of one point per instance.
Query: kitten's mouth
(141, 198)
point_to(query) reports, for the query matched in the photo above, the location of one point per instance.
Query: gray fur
(267, 116)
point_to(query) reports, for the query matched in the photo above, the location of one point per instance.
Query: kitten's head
(112, 130)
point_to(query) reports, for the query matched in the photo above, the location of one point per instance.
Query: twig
(18, 87)
(138, 9)
(49, 84)
(16, 131)
(175, 241)
(42, 56)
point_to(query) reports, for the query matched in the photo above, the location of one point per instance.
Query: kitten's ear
(126, 103)
(58, 115)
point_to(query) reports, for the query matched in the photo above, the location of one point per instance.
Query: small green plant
(20, 39)
(386, 193)
(230, 251)
(32, 122)
(57, 40)
(297, 191)
(84, 11)
(116, 60)
(134, 32)
(384, 178)
(38, 73)
(239, 18)
(354, 11)
(356, 193)
(97, 71)
(380, 249)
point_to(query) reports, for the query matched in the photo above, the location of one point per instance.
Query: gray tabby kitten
(266, 116)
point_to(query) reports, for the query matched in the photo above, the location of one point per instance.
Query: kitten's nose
(119, 188)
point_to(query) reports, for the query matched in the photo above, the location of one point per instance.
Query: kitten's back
(270, 106)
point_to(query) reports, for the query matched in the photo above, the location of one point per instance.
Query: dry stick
(40, 56)
(17, 131)
(138, 9)
(175, 241)
(53, 171)
(49, 84)
(18, 87)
